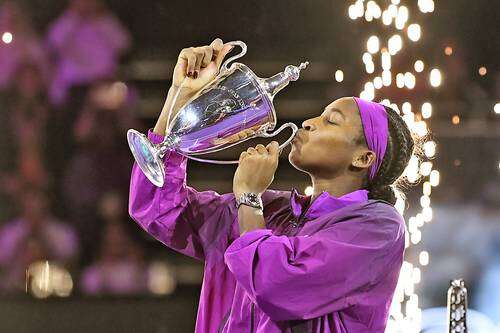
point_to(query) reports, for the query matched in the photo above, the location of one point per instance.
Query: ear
(364, 159)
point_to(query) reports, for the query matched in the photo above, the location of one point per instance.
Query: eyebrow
(337, 110)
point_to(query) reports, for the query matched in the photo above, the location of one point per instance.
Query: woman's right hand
(199, 65)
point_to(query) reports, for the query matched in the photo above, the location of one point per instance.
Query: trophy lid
(279, 81)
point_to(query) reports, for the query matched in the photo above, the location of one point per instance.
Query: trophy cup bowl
(234, 107)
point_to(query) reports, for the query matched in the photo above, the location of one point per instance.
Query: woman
(325, 263)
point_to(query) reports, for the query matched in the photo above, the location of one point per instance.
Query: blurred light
(400, 80)
(395, 44)
(427, 188)
(395, 2)
(339, 75)
(409, 80)
(309, 190)
(420, 128)
(352, 12)
(402, 17)
(416, 237)
(406, 107)
(368, 16)
(434, 178)
(419, 66)
(414, 32)
(373, 9)
(426, 6)
(425, 169)
(386, 17)
(482, 71)
(430, 148)
(455, 120)
(448, 50)
(427, 213)
(416, 279)
(496, 108)
(385, 102)
(424, 258)
(387, 78)
(386, 61)
(367, 58)
(370, 67)
(160, 279)
(7, 37)
(46, 278)
(426, 110)
(373, 44)
(457, 162)
(377, 82)
(425, 201)
(435, 77)
(393, 10)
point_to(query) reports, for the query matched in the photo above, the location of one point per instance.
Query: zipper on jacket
(252, 310)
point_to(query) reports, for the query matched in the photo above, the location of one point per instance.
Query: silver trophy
(234, 107)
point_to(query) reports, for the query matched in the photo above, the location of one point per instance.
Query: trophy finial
(293, 72)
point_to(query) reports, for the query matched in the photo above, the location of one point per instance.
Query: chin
(295, 159)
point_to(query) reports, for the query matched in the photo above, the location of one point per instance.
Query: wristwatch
(250, 199)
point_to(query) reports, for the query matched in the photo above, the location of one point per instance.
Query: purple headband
(376, 129)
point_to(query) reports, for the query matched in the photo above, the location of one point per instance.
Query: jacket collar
(324, 203)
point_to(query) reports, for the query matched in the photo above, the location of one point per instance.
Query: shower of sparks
(396, 19)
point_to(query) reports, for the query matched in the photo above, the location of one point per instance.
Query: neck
(337, 187)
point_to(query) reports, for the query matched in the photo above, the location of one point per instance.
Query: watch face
(251, 199)
(252, 196)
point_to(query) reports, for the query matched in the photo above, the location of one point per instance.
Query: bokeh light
(435, 77)
(339, 75)
(414, 32)
(419, 66)
(7, 37)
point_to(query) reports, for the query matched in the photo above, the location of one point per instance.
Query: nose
(308, 125)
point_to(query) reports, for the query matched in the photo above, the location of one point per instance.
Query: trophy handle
(239, 55)
(262, 135)
(282, 127)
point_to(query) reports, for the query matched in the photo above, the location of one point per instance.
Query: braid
(400, 146)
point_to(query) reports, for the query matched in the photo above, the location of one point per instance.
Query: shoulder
(370, 217)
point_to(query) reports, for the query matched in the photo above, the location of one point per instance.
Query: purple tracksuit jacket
(328, 266)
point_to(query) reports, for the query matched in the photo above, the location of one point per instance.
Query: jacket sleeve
(182, 218)
(304, 277)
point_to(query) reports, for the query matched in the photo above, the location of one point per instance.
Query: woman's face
(326, 145)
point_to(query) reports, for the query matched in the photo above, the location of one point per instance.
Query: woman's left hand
(256, 169)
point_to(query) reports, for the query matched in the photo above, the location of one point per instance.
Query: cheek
(321, 152)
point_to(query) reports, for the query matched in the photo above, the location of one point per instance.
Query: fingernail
(195, 75)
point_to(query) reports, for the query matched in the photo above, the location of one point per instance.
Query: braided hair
(400, 147)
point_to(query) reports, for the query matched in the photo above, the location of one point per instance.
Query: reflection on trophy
(234, 107)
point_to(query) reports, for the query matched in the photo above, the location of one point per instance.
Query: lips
(297, 139)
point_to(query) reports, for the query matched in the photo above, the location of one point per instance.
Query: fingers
(243, 155)
(207, 55)
(190, 57)
(273, 148)
(222, 54)
(261, 149)
(196, 58)
(217, 45)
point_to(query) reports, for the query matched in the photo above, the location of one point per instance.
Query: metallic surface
(236, 106)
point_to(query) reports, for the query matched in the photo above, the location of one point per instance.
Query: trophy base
(147, 156)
